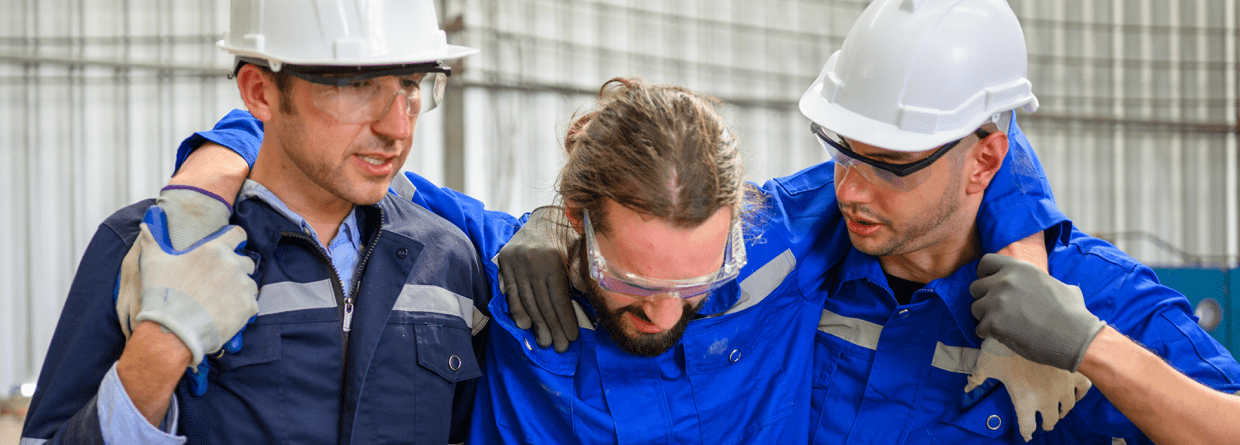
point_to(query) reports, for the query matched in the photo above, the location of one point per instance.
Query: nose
(850, 185)
(397, 122)
(664, 312)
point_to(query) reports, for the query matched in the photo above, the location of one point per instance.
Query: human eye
(411, 81)
(361, 85)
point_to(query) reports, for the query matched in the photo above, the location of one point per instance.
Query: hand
(1032, 313)
(1034, 388)
(533, 277)
(191, 215)
(202, 294)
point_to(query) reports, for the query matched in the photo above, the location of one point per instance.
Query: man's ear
(988, 157)
(259, 91)
(573, 213)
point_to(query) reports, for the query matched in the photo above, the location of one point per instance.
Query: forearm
(1166, 405)
(213, 168)
(150, 367)
(1031, 249)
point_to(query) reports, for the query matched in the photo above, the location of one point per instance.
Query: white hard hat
(338, 32)
(916, 74)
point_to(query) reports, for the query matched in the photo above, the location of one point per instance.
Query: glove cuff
(1089, 340)
(193, 213)
(180, 313)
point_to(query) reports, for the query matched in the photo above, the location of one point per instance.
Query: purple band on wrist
(196, 189)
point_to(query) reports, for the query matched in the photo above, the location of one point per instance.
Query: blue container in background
(1210, 292)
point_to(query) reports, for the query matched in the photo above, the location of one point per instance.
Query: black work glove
(533, 277)
(1032, 313)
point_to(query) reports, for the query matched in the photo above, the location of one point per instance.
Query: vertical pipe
(1174, 230)
(1117, 111)
(1231, 57)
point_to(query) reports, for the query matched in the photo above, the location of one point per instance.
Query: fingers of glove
(1082, 384)
(128, 292)
(1026, 420)
(198, 378)
(233, 345)
(516, 305)
(985, 324)
(558, 293)
(532, 309)
(551, 315)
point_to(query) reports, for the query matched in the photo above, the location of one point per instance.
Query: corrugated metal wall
(96, 96)
(1137, 128)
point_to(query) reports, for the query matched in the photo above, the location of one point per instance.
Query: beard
(644, 345)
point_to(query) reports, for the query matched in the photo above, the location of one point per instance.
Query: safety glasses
(368, 96)
(617, 280)
(901, 177)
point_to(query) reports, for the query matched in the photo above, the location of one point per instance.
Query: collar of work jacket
(952, 290)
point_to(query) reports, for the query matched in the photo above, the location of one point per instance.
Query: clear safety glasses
(617, 280)
(901, 177)
(367, 97)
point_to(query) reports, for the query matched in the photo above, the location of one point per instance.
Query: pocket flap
(447, 351)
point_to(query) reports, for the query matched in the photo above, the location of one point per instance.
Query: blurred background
(1137, 128)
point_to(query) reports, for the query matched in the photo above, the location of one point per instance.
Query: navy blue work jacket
(404, 373)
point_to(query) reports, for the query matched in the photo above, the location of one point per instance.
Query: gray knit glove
(1032, 313)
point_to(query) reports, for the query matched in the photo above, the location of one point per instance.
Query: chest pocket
(991, 420)
(287, 359)
(411, 385)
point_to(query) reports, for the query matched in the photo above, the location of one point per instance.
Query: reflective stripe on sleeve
(435, 299)
(763, 281)
(32, 441)
(290, 296)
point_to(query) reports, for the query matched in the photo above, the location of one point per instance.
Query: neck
(938, 260)
(323, 210)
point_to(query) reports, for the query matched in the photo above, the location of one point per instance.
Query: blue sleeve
(1018, 202)
(87, 341)
(238, 130)
(1128, 296)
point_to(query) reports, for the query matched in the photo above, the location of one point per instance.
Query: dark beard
(645, 345)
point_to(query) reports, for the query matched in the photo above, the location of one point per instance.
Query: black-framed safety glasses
(901, 177)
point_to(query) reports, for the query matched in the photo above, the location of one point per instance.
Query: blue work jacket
(403, 373)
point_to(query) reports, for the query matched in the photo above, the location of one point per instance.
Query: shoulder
(805, 184)
(416, 222)
(125, 223)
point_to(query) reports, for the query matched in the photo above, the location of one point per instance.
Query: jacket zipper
(345, 303)
(357, 274)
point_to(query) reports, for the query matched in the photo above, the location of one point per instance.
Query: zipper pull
(348, 314)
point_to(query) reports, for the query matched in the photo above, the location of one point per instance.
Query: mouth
(861, 227)
(643, 325)
(377, 165)
(374, 160)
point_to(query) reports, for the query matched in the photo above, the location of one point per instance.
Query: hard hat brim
(447, 52)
